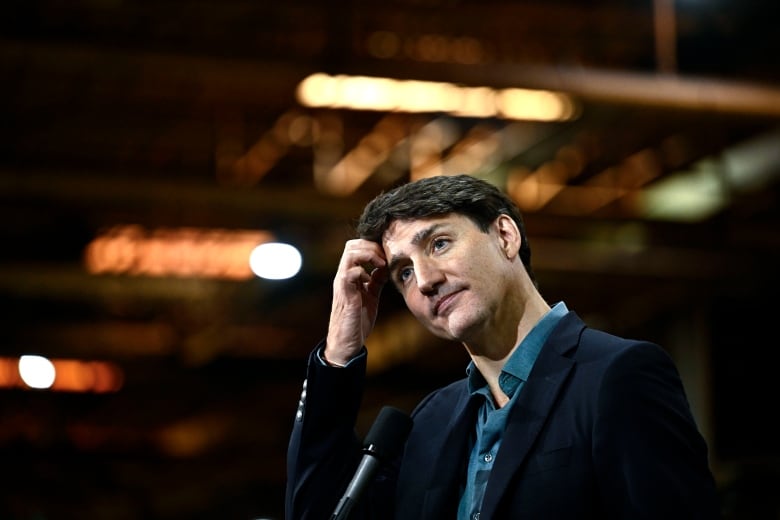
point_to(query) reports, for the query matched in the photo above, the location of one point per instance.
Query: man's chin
(439, 332)
(452, 332)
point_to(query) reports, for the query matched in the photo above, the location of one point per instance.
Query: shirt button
(488, 457)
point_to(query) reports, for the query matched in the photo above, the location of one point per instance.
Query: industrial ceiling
(652, 211)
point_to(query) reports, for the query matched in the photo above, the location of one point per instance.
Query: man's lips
(443, 302)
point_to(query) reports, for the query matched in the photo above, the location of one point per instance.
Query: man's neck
(490, 364)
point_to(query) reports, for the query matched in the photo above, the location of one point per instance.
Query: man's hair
(474, 198)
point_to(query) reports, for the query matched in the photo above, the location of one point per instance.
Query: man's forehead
(399, 227)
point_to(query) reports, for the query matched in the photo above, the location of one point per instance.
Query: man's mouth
(444, 302)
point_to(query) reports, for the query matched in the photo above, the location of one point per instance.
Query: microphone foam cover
(389, 432)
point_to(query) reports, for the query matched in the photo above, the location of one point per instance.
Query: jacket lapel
(530, 412)
(441, 499)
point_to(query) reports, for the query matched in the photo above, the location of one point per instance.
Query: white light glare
(275, 261)
(36, 371)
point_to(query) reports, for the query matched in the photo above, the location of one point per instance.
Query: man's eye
(439, 243)
(404, 274)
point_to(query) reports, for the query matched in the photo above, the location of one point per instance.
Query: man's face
(451, 275)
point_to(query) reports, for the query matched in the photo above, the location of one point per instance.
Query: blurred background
(147, 147)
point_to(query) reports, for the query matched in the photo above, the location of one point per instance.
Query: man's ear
(508, 235)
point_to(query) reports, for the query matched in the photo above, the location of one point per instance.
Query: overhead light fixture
(393, 95)
(275, 261)
(35, 372)
(713, 182)
(689, 196)
(180, 252)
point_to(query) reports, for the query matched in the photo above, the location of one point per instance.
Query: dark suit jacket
(601, 430)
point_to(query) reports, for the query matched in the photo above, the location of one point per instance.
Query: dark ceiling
(139, 112)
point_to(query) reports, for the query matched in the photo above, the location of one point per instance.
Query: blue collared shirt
(491, 421)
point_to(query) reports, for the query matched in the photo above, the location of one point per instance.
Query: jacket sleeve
(324, 450)
(646, 444)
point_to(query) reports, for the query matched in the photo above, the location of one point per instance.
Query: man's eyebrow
(418, 237)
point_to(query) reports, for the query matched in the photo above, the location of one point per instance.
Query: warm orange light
(9, 373)
(184, 252)
(71, 375)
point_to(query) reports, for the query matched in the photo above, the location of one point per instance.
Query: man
(554, 420)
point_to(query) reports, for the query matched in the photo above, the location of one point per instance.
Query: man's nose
(429, 276)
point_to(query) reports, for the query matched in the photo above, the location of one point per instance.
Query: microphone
(384, 440)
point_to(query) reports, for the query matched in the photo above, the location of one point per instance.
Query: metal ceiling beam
(196, 81)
